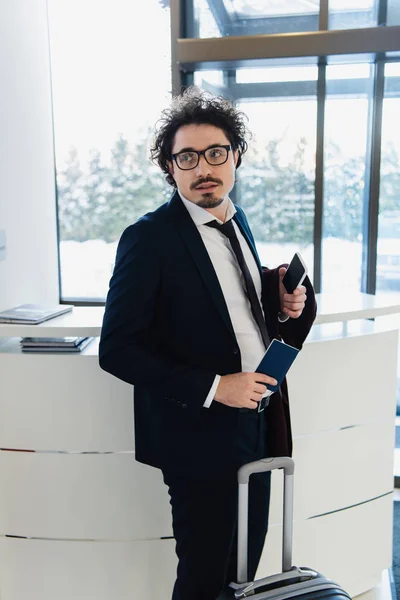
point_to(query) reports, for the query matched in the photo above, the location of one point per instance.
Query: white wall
(27, 188)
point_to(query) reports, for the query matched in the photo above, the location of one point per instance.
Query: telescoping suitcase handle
(260, 466)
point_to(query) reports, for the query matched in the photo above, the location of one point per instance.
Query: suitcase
(301, 583)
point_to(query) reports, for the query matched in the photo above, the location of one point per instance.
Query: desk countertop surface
(86, 321)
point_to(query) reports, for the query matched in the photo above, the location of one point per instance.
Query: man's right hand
(242, 390)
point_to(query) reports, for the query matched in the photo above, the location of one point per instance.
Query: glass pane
(219, 18)
(388, 252)
(302, 73)
(103, 118)
(261, 8)
(203, 79)
(391, 70)
(356, 71)
(205, 25)
(346, 129)
(352, 14)
(393, 12)
(275, 183)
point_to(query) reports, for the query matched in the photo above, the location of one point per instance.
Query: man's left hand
(291, 304)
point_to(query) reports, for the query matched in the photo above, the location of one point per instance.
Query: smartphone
(295, 274)
(277, 361)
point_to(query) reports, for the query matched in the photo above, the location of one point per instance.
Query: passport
(277, 361)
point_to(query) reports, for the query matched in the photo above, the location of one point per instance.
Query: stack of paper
(65, 344)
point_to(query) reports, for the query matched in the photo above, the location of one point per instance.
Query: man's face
(206, 185)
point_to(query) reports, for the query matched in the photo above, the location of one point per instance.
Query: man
(189, 314)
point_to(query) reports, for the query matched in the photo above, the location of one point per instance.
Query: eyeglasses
(217, 155)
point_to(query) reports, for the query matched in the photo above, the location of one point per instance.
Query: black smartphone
(295, 274)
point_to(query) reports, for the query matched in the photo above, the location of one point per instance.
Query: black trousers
(204, 519)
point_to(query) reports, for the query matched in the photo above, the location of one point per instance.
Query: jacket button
(184, 405)
(235, 351)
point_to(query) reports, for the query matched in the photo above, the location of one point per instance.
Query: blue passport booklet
(277, 361)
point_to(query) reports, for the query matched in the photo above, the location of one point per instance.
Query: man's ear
(235, 156)
(170, 165)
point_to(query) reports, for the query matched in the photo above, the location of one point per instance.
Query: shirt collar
(201, 216)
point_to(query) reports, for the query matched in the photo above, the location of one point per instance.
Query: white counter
(87, 321)
(91, 522)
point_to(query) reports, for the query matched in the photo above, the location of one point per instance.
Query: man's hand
(291, 304)
(242, 390)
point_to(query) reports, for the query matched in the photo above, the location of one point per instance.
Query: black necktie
(228, 230)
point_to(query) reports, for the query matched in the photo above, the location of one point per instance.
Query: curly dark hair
(193, 106)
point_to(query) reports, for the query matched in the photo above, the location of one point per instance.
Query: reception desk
(80, 518)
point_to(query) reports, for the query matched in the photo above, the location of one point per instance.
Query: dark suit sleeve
(293, 331)
(129, 343)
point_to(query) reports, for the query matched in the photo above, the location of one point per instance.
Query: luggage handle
(300, 573)
(261, 466)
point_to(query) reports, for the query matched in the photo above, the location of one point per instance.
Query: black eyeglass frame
(199, 153)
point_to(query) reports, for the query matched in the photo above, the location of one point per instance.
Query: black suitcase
(301, 583)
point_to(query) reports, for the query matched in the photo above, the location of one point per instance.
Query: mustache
(204, 180)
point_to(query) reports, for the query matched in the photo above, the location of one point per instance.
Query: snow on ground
(86, 267)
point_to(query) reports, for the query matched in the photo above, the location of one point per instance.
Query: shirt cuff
(212, 391)
(282, 318)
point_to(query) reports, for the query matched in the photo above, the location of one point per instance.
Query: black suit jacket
(167, 331)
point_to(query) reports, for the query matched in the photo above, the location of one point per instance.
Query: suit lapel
(246, 234)
(195, 245)
(244, 228)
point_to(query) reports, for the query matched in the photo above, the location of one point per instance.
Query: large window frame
(315, 44)
(377, 45)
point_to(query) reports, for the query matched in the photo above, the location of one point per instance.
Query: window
(388, 251)
(275, 183)
(109, 84)
(349, 95)
(352, 14)
(219, 18)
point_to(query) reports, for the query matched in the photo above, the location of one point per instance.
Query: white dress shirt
(233, 286)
